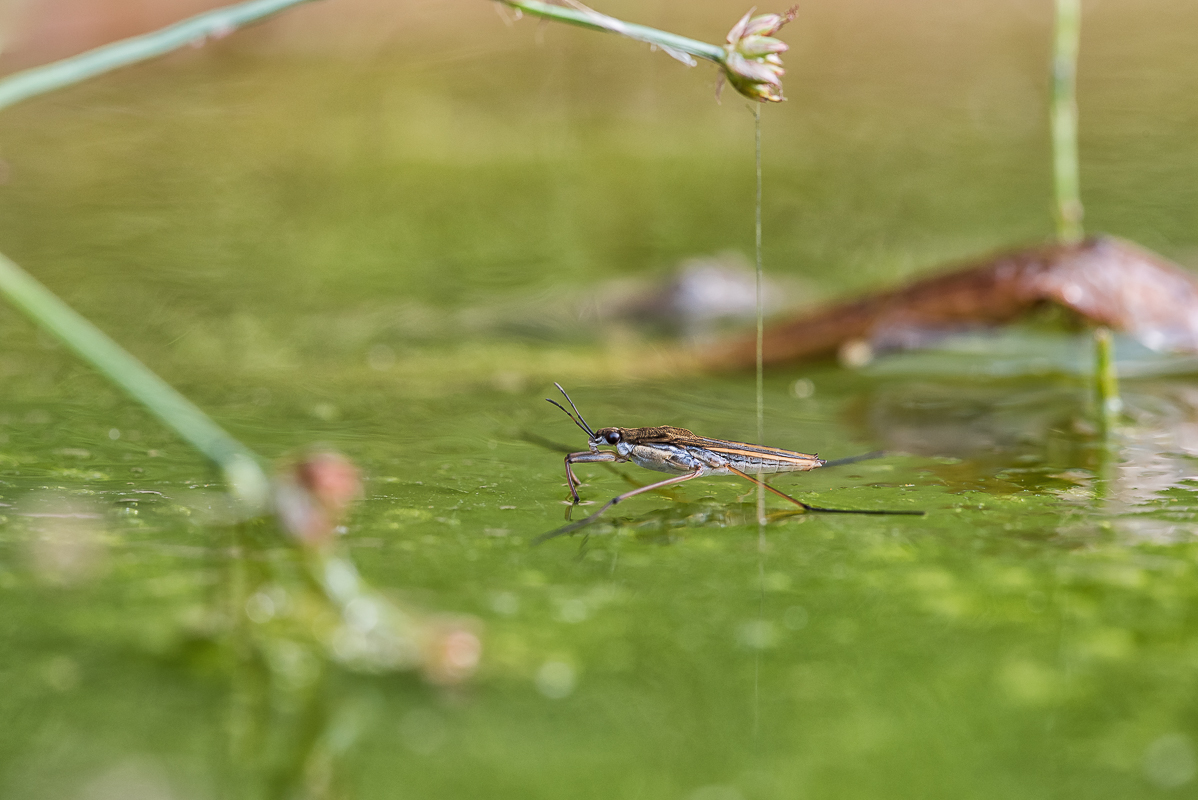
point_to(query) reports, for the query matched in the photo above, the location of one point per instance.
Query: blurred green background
(389, 226)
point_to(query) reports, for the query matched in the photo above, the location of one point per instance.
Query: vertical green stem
(1106, 378)
(1069, 210)
(1064, 121)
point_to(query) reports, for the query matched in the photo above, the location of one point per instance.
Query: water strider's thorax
(662, 457)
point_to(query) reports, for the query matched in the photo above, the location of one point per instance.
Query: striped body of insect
(681, 453)
(678, 451)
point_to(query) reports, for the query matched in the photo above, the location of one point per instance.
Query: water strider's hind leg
(809, 507)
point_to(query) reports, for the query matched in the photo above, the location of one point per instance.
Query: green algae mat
(344, 253)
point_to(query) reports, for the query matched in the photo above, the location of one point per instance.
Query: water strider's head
(608, 436)
(615, 437)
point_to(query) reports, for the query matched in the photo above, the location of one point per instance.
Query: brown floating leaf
(1109, 281)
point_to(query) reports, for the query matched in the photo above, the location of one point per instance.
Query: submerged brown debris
(1106, 280)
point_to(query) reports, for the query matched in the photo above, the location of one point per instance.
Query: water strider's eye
(612, 437)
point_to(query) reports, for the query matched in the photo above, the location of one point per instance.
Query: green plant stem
(1106, 378)
(601, 22)
(333, 573)
(220, 22)
(239, 465)
(1069, 209)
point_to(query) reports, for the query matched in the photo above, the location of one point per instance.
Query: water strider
(683, 454)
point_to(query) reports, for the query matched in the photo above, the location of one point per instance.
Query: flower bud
(313, 495)
(753, 64)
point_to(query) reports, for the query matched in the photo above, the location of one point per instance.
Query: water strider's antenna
(580, 422)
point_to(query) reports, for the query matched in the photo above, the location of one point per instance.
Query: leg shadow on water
(670, 524)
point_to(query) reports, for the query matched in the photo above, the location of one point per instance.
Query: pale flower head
(753, 64)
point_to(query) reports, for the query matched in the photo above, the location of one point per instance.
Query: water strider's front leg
(585, 457)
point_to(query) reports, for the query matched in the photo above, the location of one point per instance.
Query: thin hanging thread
(760, 434)
(760, 322)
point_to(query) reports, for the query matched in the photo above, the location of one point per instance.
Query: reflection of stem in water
(285, 740)
(1064, 661)
(1064, 121)
(290, 718)
(761, 625)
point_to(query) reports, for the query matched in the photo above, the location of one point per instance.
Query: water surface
(318, 252)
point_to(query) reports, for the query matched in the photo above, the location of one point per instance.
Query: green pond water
(396, 255)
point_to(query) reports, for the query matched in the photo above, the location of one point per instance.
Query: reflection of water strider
(681, 453)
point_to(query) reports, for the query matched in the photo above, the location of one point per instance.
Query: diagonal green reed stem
(395, 642)
(670, 42)
(1064, 121)
(220, 22)
(238, 463)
